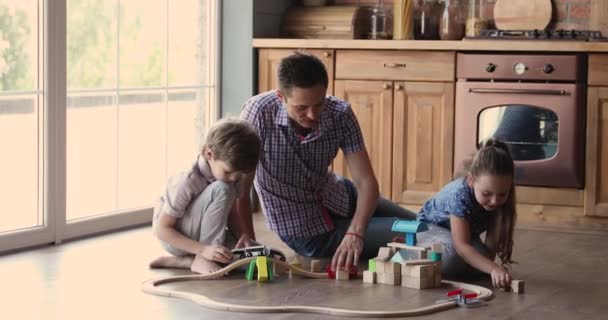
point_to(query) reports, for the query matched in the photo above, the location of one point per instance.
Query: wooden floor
(100, 278)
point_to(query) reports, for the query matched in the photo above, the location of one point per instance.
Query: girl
(483, 201)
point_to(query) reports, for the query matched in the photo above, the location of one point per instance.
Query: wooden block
(315, 265)
(410, 282)
(371, 265)
(342, 274)
(400, 245)
(435, 256)
(392, 267)
(437, 247)
(437, 276)
(417, 262)
(384, 254)
(369, 276)
(262, 265)
(517, 286)
(393, 279)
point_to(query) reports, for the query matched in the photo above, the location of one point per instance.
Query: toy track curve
(152, 287)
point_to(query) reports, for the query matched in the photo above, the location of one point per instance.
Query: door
(596, 181)
(372, 103)
(422, 145)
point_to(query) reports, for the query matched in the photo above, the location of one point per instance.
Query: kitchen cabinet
(372, 103)
(268, 64)
(596, 184)
(596, 178)
(406, 120)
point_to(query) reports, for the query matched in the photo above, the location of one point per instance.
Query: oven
(534, 103)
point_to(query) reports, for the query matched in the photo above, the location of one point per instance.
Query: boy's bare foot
(184, 262)
(204, 266)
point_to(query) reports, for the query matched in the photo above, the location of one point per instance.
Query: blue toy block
(410, 239)
(409, 226)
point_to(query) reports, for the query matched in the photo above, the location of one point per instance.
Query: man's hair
(236, 142)
(301, 70)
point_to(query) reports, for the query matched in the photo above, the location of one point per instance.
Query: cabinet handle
(326, 54)
(398, 87)
(386, 86)
(395, 65)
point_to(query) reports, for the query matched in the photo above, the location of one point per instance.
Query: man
(315, 212)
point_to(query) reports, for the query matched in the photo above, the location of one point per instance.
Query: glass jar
(426, 20)
(381, 22)
(476, 20)
(451, 24)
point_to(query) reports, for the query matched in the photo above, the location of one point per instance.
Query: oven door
(543, 124)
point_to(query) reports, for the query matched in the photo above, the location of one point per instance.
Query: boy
(191, 218)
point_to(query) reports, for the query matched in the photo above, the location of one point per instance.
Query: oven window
(530, 132)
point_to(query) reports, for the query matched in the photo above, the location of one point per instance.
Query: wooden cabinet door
(423, 140)
(268, 64)
(596, 171)
(372, 103)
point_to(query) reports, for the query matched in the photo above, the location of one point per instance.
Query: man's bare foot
(184, 262)
(204, 266)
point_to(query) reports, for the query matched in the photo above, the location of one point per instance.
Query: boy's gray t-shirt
(184, 187)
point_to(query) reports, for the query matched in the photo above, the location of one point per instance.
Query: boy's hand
(216, 252)
(245, 241)
(500, 277)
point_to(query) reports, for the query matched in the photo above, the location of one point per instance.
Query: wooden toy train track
(154, 287)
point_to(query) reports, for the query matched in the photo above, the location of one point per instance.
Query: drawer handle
(316, 28)
(386, 86)
(395, 65)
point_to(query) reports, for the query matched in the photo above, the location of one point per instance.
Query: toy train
(255, 251)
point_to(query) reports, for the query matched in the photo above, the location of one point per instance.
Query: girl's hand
(216, 252)
(500, 277)
(348, 252)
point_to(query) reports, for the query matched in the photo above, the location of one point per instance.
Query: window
(139, 89)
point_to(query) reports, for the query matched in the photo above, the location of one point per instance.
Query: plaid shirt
(292, 179)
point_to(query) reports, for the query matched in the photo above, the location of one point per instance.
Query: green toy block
(270, 274)
(371, 265)
(435, 256)
(250, 270)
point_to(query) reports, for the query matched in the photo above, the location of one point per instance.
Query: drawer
(598, 69)
(395, 65)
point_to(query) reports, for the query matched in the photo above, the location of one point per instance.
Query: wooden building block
(437, 276)
(435, 256)
(417, 262)
(384, 254)
(369, 276)
(437, 247)
(517, 286)
(399, 245)
(392, 267)
(342, 275)
(371, 265)
(262, 265)
(417, 283)
(393, 279)
(315, 265)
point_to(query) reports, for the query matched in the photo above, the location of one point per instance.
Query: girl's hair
(494, 158)
(236, 142)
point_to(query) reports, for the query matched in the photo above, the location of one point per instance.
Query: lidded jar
(451, 24)
(426, 19)
(476, 19)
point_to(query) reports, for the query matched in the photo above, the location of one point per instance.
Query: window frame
(55, 228)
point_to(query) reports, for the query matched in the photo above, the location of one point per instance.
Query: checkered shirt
(292, 178)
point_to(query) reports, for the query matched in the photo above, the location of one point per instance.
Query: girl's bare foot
(204, 266)
(184, 262)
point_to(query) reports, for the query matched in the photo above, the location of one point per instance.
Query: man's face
(304, 105)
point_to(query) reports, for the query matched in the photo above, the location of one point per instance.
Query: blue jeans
(378, 232)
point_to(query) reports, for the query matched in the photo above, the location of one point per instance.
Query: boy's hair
(494, 158)
(236, 142)
(301, 70)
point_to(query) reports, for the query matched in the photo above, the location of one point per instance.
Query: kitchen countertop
(440, 45)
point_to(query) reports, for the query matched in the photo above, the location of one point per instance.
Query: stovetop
(550, 35)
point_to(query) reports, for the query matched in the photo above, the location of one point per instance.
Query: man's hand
(348, 253)
(245, 241)
(216, 252)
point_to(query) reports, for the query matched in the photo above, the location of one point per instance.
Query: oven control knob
(520, 68)
(548, 68)
(490, 67)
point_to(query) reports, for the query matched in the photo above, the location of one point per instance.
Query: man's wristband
(355, 235)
